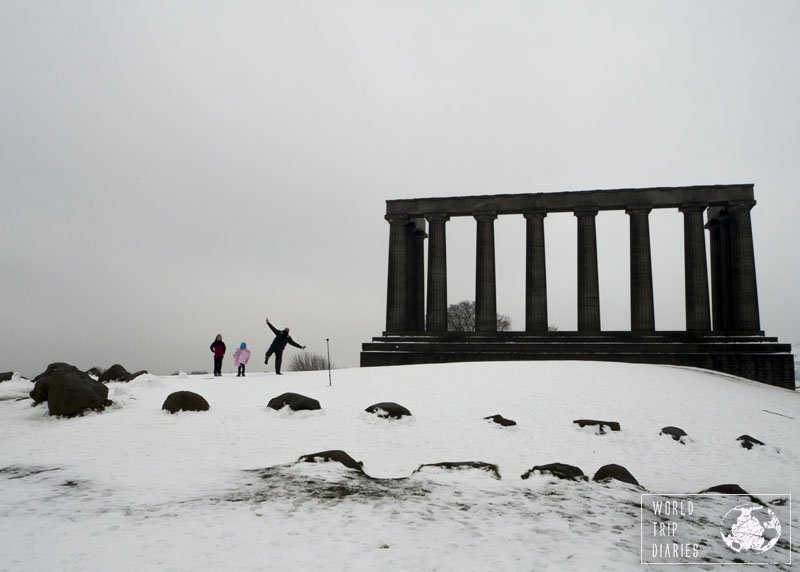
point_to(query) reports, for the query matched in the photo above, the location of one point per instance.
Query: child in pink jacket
(240, 357)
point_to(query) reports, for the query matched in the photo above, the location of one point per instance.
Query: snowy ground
(136, 489)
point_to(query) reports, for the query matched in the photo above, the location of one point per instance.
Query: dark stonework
(388, 409)
(185, 401)
(73, 393)
(294, 401)
(500, 420)
(601, 425)
(736, 345)
(333, 456)
(675, 432)
(560, 470)
(747, 441)
(615, 472)
(462, 465)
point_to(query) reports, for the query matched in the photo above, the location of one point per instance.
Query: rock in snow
(73, 393)
(333, 456)
(675, 432)
(612, 425)
(747, 441)
(500, 420)
(185, 401)
(294, 401)
(615, 472)
(560, 470)
(388, 409)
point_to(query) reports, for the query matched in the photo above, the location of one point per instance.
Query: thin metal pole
(328, 343)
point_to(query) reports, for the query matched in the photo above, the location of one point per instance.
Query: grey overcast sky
(174, 170)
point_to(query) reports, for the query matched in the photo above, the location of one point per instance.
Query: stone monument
(723, 330)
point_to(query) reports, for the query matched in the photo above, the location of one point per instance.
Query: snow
(135, 488)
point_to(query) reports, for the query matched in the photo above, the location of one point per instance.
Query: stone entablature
(734, 293)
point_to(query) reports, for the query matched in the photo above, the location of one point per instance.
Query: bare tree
(307, 361)
(461, 318)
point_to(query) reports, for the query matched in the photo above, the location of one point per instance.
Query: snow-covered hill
(135, 488)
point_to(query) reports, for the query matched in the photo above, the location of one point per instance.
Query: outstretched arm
(295, 344)
(275, 330)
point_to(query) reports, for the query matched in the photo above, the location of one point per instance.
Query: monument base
(752, 356)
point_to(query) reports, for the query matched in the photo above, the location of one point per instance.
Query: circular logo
(750, 528)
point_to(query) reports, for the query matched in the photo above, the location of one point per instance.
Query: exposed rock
(133, 376)
(675, 432)
(41, 387)
(185, 401)
(726, 489)
(94, 371)
(460, 465)
(616, 472)
(612, 425)
(388, 409)
(115, 373)
(52, 368)
(732, 489)
(295, 401)
(747, 441)
(333, 456)
(500, 420)
(560, 470)
(6, 376)
(73, 393)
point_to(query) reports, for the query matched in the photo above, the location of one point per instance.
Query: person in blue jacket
(282, 338)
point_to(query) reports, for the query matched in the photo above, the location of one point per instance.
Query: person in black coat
(217, 347)
(282, 338)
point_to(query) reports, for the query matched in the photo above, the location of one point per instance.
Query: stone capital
(483, 216)
(740, 205)
(437, 217)
(394, 218)
(585, 212)
(534, 213)
(692, 207)
(638, 210)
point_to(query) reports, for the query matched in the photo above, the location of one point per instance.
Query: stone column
(418, 237)
(397, 294)
(535, 273)
(743, 269)
(588, 281)
(437, 273)
(642, 313)
(719, 242)
(698, 318)
(485, 286)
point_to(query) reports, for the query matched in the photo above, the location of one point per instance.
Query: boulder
(115, 373)
(461, 465)
(615, 472)
(185, 401)
(747, 441)
(675, 432)
(41, 387)
(612, 425)
(560, 470)
(73, 393)
(732, 489)
(333, 456)
(294, 401)
(726, 489)
(52, 368)
(388, 409)
(133, 376)
(6, 376)
(500, 420)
